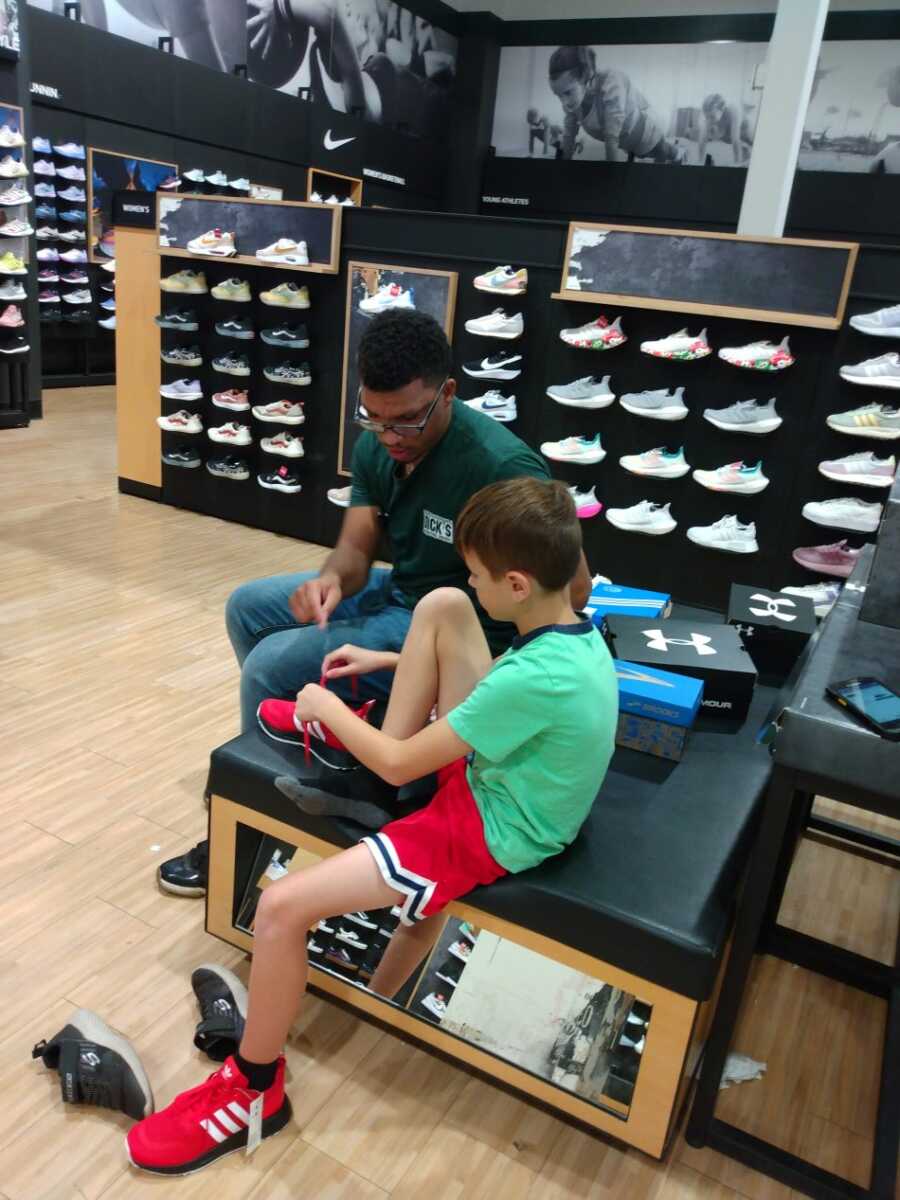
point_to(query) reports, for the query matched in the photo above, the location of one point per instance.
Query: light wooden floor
(116, 680)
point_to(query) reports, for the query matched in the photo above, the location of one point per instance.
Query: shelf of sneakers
(330, 187)
(65, 290)
(497, 344)
(17, 232)
(234, 364)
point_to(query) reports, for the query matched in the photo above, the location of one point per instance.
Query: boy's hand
(356, 660)
(312, 703)
(314, 601)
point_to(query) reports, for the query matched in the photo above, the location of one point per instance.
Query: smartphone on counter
(877, 705)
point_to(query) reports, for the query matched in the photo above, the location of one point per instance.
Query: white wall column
(790, 72)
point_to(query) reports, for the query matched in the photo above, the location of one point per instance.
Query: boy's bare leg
(286, 912)
(405, 951)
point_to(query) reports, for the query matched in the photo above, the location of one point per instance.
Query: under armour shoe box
(713, 654)
(656, 709)
(606, 598)
(774, 628)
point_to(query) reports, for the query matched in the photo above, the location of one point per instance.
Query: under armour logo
(89, 1058)
(773, 607)
(746, 630)
(633, 675)
(657, 640)
(221, 1006)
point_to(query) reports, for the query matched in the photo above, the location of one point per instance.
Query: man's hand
(356, 660)
(314, 601)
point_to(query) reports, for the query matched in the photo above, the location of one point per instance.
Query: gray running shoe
(883, 371)
(871, 421)
(232, 364)
(589, 392)
(745, 416)
(228, 467)
(295, 374)
(661, 404)
(883, 323)
(182, 389)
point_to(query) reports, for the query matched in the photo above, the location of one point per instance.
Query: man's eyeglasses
(362, 418)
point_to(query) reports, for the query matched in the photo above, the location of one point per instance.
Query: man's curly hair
(400, 346)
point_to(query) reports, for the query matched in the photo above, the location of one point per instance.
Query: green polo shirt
(419, 510)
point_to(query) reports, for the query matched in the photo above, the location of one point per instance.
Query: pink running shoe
(837, 559)
(11, 317)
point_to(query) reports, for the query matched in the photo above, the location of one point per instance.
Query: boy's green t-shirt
(542, 724)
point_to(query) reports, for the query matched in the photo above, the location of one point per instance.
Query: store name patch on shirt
(384, 176)
(440, 528)
(523, 200)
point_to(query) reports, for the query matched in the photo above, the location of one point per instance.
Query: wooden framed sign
(788, 280)
(110, 175)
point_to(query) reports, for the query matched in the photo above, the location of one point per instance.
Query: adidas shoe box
(774, 628)
(656, 709)
(606, 598)
(713, 654)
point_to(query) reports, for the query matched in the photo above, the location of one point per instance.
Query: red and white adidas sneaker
(277, 718)
(206, 1123)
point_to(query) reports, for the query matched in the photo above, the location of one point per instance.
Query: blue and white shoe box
(657, 709)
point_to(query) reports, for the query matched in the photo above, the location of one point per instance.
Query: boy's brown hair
(523, 525)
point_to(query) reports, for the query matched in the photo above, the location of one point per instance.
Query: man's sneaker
(222, 999)
(362, 919)
(351, 938)
(575, 450)
(870, 421)
(844, 513)
(586, 503)
(285, 250)
(207, 1122)
(41, 145)
(231, 434)
(11, 264)
(182, 456)
(681, 346)
(286, 295)
(659, 463)
(11, 138)
(280, 412)
(498, 325)
(389, 295)
(239, 185)
(195, 175)
(180, 422)
(734, 477)
(745, 416)
(73, 174)
(293, 374)
(587, 392)
(74, 216)
(79, 316)
(436, 1004)
(232, 364)
(48, 315)
(11, 317)
(863, 468)
(504, 280)
(16, 345)
(182, 389)
(10, 167)
(644, 517)
(187, 281)
(449, 972)
(282, 480)
(73, 194)
(885, 322)
(45, 190)
(289, 337)
(235, 290)
(75, 278)
(759, 356)
(229, 466)
(883, 371)
(184, 319)
(180, 356)
(660, 404)
(340, 496)
(217, 179)
(43, 212)
(74, 256)
(13, 196)
(69, 149)
(598, 334)
(46, 233)
(284, 444)
(16, 228)
(494, 404)
(45, 254)
(726, 534)
(495, 366)
(97, 1066)
(837, 559)
(233, 399)
(186, 874)
(80, 296)
(823, 595)
(48, 296)
(217, 242)
(108, 322)
(236, 329)
(11, 290)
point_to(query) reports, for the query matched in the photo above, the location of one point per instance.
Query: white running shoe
(181, 422)
(659, 404)
(280, 412)
(389, 295)
(595, 335)
(586, 503)
(823, 595)
(846, 512)
(863, 469)
(332, 199)
(315, 198)
(726, 534)
(497, 324)
(587, 392)
(682, 346)
(215, 242)
(284, 444)
(575, 450)
(285, 250)
(734, 477)
(217, 179)
(340, 496)
(883, 371)
(504, 281)
(231, 434)
(495, 405)
(885, 322)
(759, 356)
(501, 365)
(644, 517)
(660, 463)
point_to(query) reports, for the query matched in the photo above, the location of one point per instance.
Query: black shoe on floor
(186, 875)
(97, 1066)
(223, 1010)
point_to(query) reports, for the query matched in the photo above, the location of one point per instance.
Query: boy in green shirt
(521, 747)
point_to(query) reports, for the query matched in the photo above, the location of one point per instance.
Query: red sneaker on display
(206, 1123)
(277, 719)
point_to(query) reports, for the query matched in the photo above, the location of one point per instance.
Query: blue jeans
(278, 657)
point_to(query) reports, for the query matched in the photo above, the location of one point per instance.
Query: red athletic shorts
(436, 854)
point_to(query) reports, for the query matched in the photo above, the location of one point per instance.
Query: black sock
(259, 1075)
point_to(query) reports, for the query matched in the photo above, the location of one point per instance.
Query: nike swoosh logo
(331, 143)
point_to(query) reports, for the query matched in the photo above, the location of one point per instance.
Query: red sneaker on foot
(206, 1123)
(276, 718)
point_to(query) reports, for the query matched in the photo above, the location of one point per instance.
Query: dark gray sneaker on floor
(97, 1066)
(223, 1010)
(186, 875)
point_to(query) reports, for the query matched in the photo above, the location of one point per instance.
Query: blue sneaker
(77, 216)
(41, 145)
(45, 211)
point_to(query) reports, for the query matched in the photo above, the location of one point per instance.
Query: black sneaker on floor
(183, 318)
(97, 1066)
(228, 467)
(236, 329)
(223, 1010)
(186, 875)
(183, 456)
(293, 337)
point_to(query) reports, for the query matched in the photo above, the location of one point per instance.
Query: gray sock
(323, 804)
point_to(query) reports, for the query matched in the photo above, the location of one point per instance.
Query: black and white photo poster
(9, 25)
